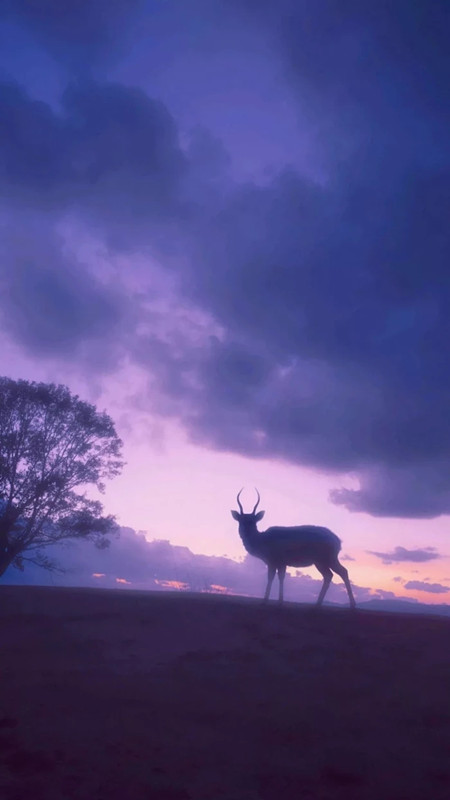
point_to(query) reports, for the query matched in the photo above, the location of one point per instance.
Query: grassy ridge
(114, 694)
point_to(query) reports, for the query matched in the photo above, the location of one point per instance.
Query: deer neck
(250, 538)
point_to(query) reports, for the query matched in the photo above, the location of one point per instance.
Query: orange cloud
(173, 585)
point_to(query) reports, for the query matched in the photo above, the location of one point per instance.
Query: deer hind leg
(327, 578)
(343, 572)
(281, 577)
(270, 576)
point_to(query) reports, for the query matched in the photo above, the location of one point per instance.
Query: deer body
(298, 546)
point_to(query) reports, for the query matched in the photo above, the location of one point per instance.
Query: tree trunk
(6, 558)
(7, 551)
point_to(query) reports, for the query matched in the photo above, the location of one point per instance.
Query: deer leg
(327, 578)
(281, 577)
(270, 576)
(343, 573)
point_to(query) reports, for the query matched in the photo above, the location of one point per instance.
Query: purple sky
(227, 223)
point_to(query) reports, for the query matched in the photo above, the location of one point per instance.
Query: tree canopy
(53, 447)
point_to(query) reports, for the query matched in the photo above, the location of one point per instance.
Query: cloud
(421, 586)
(327, 298)
(418, 489)
(332, 293)
(383, 594)
(107, 166)
(402, 554)
(362, 70)
(342, 352)
(110, 158)
(78, 33)
(53, 305)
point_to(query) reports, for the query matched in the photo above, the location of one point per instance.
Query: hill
(406, 607)
(111, 694)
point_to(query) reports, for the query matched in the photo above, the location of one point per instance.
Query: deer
(297, 546)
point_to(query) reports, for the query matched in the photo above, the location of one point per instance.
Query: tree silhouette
(53, 446)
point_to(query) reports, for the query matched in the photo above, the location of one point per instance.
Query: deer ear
(259, 515)
(235, 515)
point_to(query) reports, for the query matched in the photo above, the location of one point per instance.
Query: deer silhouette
(298, 546)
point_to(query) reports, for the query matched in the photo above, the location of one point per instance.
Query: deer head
(247, 521)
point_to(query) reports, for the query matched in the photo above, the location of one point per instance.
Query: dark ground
(108, 695)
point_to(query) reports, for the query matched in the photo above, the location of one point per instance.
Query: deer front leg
(270, 576)
(281, 577)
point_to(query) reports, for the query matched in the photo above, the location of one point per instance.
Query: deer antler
(239, 502)
(257, 502)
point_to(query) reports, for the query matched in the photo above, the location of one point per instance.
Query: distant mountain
(405, 607)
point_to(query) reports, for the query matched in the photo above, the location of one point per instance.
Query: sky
(225, 222)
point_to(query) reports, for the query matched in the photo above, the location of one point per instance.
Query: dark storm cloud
(402, 554)
(76, 32)
(341, 288)
(51, 304)
(110, 161)
(111, 157)
(364, 72)
(418, 489)
(331, 296)
(422, 586)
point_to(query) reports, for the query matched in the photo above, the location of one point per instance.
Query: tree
(53, 446)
